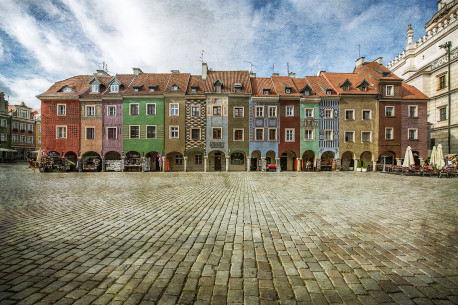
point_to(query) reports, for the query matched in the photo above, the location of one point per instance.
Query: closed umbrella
(432, 159)
(408, 158)
(439, 158)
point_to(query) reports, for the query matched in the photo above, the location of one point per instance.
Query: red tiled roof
(319, 85)
(282, 82)
(258, 84)
(228, 78)
(145, 80)
(125, 80)
(376, 70)
(338, 79)
(79, 84)
(104, 80)
(412, 93)
(179, 79)
(196, 80)
(301, 83)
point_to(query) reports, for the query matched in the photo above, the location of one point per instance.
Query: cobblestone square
(228, 237)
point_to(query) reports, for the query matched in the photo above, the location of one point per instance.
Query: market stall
(133, 162)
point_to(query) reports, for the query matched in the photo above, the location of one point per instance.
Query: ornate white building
(424, 64)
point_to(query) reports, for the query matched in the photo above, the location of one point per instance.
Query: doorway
(217, 161)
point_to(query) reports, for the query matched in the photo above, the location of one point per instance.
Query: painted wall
(239, 123)
(112, 121)
(273, 122)
(217, 121)
(420, 122)
(194, 147)
(307, 123)
(332, 124)
(395, 122)
(289, 122)
(91, 121)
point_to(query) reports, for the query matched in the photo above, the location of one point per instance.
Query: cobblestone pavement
(269, 238)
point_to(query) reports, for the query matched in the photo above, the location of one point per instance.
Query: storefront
(91, 162)
(133, 162)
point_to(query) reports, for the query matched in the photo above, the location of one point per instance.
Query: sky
(45, 41)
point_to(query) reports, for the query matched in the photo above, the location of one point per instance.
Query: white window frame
(85, 132)
(370, 115)
(313, 134)
(116, 132)
(3, 137)
(274, 108)
(23, 139)
(4, 123)
(292, 130)
(155, 108)
(265, 92)
(15, 125)
(95, 88)
(256, 133)
(243, 111)
(392, 112)
(416, 111)
(130, 131)
(155, 131)
(130, 110)
(392, 133)
(198, 108)
(391, 89)
(23, 126)
(257, 112)
(326, 111)
(57, 131)
(221, 128)
(29, 127)
(88, 107)
(172, 132)
(39, 140)
(172, 109)
(196, 157)
(312, 111)
(243, 134)
(65, 109)
(288, 112)
(39, 128)
(288, 90)
(114, 88)
(200, 133)
(439, 113)
(370, 136)
(354, 137)
(353, 115)
(14, 138)
(268, 134)
(216, 107)
(332, 135)
(408, 134)
(108, 110)
(30, 140)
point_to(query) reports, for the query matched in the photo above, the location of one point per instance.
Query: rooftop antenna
(273, 68)
(251, 65)
(359, 50)
(319, 68)
(287, 66)
(202, 55)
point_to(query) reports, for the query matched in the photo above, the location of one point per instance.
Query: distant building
(424, 64)
(22, 130)
(37, 115)
(5, 129)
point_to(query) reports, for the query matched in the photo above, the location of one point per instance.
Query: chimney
(360, 61)
(204, 70)
(175, 71)
(275, 74)
(137, 71)
(101, 73)
(379, 60)
(292, 74)
(252, 74)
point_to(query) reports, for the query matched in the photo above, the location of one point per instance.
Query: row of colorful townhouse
(233, 120)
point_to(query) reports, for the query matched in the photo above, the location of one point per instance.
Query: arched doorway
(174, 162)
(308, 160)
(196, 160)
(133, 162)
(326, 160)
(348, 163)
(416, 157)
(387, 157)
(256, 160)
(237, 161)
(153, 161)
(112, 161)
(270, 158)
(366, 157)
(72, 158)
(92, 162)
(288, 161)
(216, 161)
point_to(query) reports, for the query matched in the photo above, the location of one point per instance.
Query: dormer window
(363, 88)
(288, 90)
(218, 84)
(136, 89)
(328, 92)
(346, 85)
(306, 93)
(238, 87)
(174, 87)
(363, 85)
(152, 88)
(266, 92)
(194, 89)
(67, 89)
(114, 88)
(94, 88)
(346, 88)
(386, 73)
(389, 90)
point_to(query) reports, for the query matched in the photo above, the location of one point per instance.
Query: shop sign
(217, 144)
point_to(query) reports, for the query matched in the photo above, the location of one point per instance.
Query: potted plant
(364, 167)
(352, 165)
(359, 166)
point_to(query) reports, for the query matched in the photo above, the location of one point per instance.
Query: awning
(8, 150)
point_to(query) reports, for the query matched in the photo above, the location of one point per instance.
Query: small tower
(410, 43)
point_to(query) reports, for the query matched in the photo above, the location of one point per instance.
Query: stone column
(374, 163)
(263, 164)
(205, 163)
(299, 162)
(248, 163)
(185, 163)
(164, 161)
(103, 164)
(277, 163)
(227, 163)
(356, 164)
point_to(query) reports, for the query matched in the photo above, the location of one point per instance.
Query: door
(284, 163)
(217, 162)
(254, 164)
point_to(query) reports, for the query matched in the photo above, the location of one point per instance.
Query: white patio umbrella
(408, 158)
(432, 159)
(440, 163)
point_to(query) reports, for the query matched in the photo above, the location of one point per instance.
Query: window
(238, 112)
(3, 123)
(443, 114)
(217, 110)
(237, 159)
(306, 92)
(134, 132)
(309, 112)
(22, 139)
(114, 88)
(328, 92)
(94, 88)
(39, 140)
(367, 115)
(288, 90)
(3, 137)
(61, 109)
(179, 159)
(174, 87)
(289, 110)
(217, 133)
(90, 110)
(150, 109)
(112, 133)
(366, 136)
(238, 134)
(349, 115)
(151, 132)
(308, 134)
(136, 89)
(30, 127)
(174, 132)
(39, 128)
(193, 89)
(259, 134)
(174, 110)
(198, 159)
(67, 89)
(349, 137)
(389, 90)
(328, 113)
(328, 135)
(266, 92)
(441, 82)
(272, 111)
(363, 88)
(14, 138)
(195, 134)
(289, 134)
(152, 89)
(346, 88)
(272, 134)
(90, 133)
(30, 140)
(389, 133)
(23, 125)
(218, 88)
(61, 132)
(195, 110)
(389, 111)
(111, 110)
(15, 125)
(413, 111)
(134, 109)
(259, 111)
(413, 134)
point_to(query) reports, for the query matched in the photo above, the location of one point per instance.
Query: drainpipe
(448, 46)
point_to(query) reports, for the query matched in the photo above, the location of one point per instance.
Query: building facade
(5, 130)
(22, 130)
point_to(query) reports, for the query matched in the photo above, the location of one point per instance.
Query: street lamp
(448, 46)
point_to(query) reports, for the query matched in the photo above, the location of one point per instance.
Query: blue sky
(45, 41)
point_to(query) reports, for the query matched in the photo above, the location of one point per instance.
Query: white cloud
(2, 52)
(25, 88)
